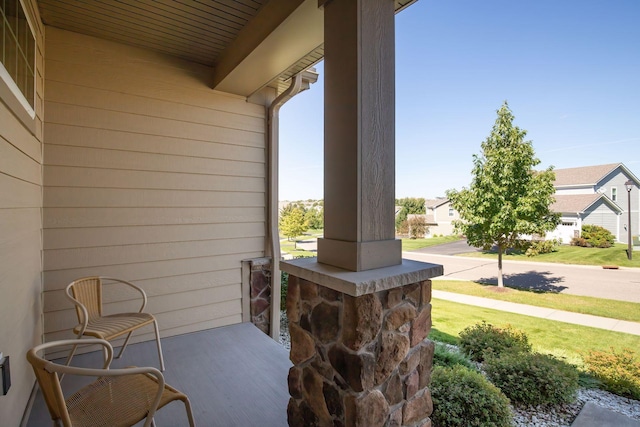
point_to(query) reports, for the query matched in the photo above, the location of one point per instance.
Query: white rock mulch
(540, 416)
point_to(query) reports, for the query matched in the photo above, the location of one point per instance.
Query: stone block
(294, 381)
(369, 410)
(418, 408)
(329, 294)
(302, 345)
(426, 286)
(426, 362)
(399, 316)
(259, 283)
(362, 320)
(259, 305)
(394, 297)
(325, 322)
(356, 369)
(421, 326)
(411, 362)
(413, 293)
(393, 349)
(395, 417)
(293, 299)
(333, 399)
(308, 290)
(411, 384)
(393, 390)
(314, 395)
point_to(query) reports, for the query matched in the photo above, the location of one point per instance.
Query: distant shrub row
(594, 236)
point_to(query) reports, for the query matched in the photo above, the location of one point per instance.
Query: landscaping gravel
(539, 416)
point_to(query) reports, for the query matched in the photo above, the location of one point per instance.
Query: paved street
(622, 284)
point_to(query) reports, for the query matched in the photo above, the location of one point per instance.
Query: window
(451, 211)
(614, 194)
(17, 53)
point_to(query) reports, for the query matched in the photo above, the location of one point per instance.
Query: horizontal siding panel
(147, 84)
(15, 163)
(71, 176)
(61, 259)
(57, 300)
(112, 159)
(61, 197)
(13, 131)
(140, 337)
(59, 279)
(114, 120)
(67, 238)
(59, 321)
(58, 134)
(106, 217)
(19, 194)
(68, 93)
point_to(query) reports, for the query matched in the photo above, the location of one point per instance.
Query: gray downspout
(273, 239)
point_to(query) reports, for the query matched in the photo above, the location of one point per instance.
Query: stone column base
(359, 360)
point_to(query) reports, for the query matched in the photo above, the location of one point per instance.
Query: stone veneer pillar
(359, 345)
(260, 293)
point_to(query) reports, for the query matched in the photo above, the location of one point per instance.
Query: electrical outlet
(5, 373)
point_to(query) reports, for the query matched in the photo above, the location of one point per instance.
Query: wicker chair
(118, 397)
(86, 294)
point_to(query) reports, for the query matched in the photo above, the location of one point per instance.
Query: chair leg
(187, 406)
(71, 353)
(126, 341)
(155, 325)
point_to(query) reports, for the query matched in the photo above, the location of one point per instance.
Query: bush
(483, 338)
(538, 247)
(445, 357)
(618, 372)
(594, 236)
(532, 378)
(462, 397)
(284, 285)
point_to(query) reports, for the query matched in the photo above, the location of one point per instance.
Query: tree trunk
(500, 282)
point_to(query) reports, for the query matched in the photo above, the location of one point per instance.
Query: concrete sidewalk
(542, 312)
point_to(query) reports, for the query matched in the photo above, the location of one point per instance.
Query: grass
(615, 255)
(414, 244)
(547, 336)
(621, 310)
(290, 247)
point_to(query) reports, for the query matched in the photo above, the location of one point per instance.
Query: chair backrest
(49, 383)
(88, 292)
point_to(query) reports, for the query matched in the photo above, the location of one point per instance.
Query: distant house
(595, 195)
(439, 215)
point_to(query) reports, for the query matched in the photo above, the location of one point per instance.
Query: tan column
(359, 142)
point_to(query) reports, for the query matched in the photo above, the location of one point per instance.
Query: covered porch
(234, 376)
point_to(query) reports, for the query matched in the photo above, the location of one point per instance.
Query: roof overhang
(283, 32)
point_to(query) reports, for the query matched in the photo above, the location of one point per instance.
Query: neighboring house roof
(434, 203)
(578, 203)
(588, 175)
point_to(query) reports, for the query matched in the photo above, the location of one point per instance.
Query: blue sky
(570, 71)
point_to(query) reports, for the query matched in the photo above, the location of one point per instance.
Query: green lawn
(615, 255)
(413, 244)
(289, 247)
(558, 338)
(587, 305)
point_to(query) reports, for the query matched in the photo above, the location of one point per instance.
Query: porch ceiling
(232, 36)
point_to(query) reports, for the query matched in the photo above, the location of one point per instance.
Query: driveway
(593, 281)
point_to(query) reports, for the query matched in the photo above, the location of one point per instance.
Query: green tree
(410, 205)
(292, 223)
(507, 197)
(315, 217)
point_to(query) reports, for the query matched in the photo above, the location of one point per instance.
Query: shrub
(618, 372)
(532, 378)
(483, 338)
(443, 356)
(462, 397)
(284, 285)
(417, 226)
(579, 241)
(542, 247)
(597, 237)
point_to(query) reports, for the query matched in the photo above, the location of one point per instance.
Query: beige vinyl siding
(21, 237)
(150, 176)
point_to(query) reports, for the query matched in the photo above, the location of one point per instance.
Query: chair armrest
(137, 288)
(74, 342)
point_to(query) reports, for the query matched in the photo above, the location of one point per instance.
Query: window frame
(8, 85)
(614, 194)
